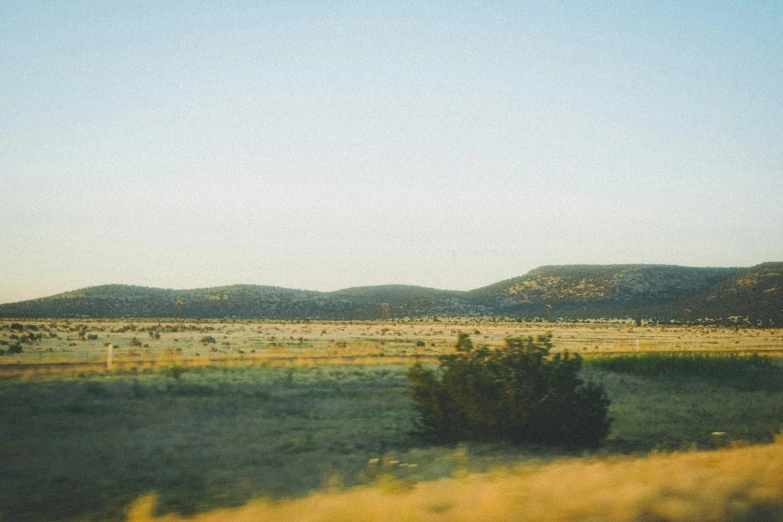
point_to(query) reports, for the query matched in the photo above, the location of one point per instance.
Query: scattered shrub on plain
(517, 393)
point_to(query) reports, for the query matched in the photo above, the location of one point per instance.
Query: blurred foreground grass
(736, 485)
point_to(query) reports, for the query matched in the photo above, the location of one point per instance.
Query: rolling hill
(592, 291)
(662, 292)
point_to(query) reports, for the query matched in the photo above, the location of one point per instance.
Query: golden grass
(251, 343)
(737, 484)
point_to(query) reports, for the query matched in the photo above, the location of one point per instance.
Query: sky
(324, 145)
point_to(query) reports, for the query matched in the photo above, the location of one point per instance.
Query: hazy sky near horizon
(322, 145)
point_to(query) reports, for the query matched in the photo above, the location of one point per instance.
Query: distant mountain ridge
(662, 292)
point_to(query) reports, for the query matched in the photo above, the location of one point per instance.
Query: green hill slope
(241, 301)
(748, 295)
(592, 291)
(752, 296)
(413, 301)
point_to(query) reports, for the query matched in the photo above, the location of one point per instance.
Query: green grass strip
(747, 373)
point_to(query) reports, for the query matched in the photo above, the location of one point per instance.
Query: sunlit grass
(739, 484)
(247, 343)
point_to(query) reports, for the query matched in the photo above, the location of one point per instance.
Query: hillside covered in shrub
(748, 296)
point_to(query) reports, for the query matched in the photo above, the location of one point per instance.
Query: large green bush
(518, 393)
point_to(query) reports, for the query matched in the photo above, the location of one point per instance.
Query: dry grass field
(202, 419)
(152, 343)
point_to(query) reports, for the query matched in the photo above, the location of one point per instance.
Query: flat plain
(154, 343)
(215, 414)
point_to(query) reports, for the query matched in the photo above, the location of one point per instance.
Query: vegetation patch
(517, 393)
(733, 485)
(746, 373)
(311, 412)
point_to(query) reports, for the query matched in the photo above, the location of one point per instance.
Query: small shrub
(14, 348)
(208, 339)
(518, 393)
(135, 342)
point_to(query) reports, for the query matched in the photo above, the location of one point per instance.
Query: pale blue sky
(322, 145)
